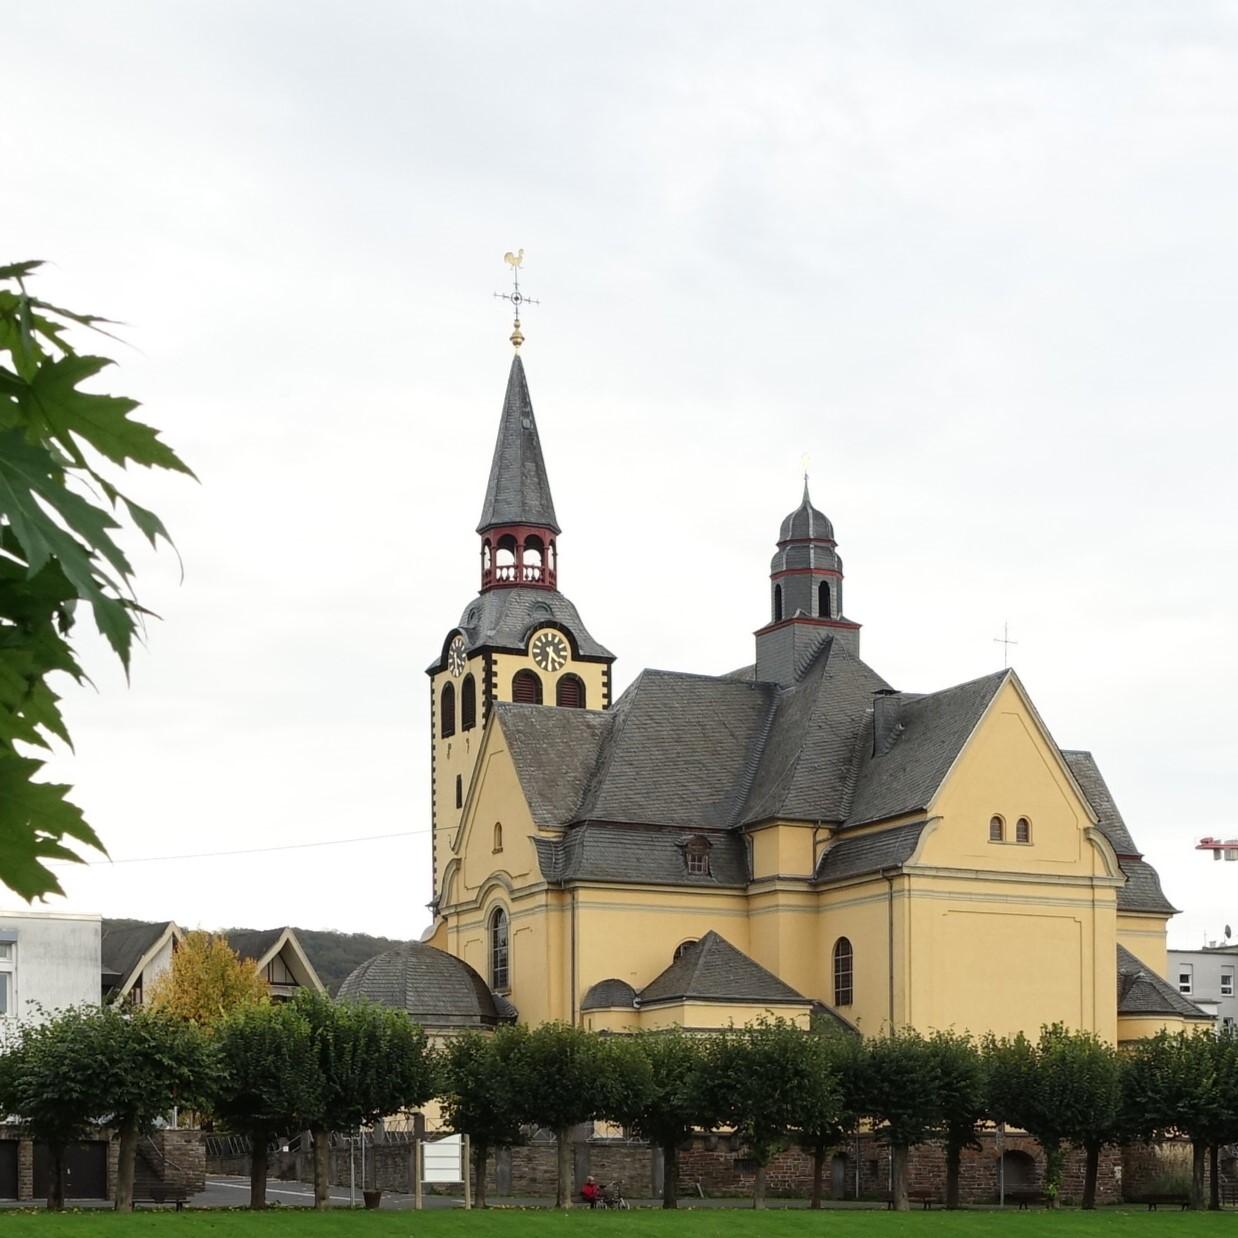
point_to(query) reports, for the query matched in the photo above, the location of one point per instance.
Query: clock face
(549, 651)
(455, 657)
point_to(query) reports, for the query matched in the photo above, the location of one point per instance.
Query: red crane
(1221, 849)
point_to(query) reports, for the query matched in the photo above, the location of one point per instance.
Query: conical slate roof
(518, 491)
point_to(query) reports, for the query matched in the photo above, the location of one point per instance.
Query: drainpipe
(573, 978)
(889, 874)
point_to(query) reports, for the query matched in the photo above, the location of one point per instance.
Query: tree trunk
(258, 1170)
(1090, 1171)
(480, 1155)
(898, 1158)
(1214, 1173)
(322, 1167)
(670, 1174)
(1053, 1174)
(563, 1188)
(954, 1153)
(1199, 1152)
(55, 1181)
(125, 1165)
(818, 1173)
(758, 1187)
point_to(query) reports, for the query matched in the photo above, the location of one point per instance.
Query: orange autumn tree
(207, 981)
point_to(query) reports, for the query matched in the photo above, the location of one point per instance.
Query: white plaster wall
(57, 961)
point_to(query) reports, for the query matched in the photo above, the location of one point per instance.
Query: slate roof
(869, 853)
(927, 734)
(642, 855)
(806, 522)
(506, 618)
(713, 970)
(1142, 891)
(122, 947)
(1142, 991)
(607, 994)
(435, 988)
(253, 943)
(518, 491)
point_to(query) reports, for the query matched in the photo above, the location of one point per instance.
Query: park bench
(162, 1193)
(926, 1199)
(1164, 1197)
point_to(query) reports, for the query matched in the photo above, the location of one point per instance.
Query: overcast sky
(978, 260)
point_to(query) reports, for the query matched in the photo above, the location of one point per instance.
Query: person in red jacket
(590, 1193)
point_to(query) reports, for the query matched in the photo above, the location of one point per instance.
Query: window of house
(447, 711)
(8, 963)
(527, 687)
(844, 961)
(459, 790)
(498, 837)
(570, 692)
(997, 830)
(1023, 830)
(468, 703)
(1186, 977)
(1227, 982)
(682, 949)
(500, 973)
(696, 857)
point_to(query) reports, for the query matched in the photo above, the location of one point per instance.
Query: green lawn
(502, 1223)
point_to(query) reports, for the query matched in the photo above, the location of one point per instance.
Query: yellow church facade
(794, 838)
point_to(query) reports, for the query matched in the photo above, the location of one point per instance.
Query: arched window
(485, 555)
(531, 561)
(777, 603)
(447, 711)
(468, 703)
(844, 962)
(696, 856)
(527, 687)
(997, 830)
(682, 949)
(498, 837)
(500, 973)
(505, 558)
(459, 790)
(823, 599)
(1023, 830)
(570, 692)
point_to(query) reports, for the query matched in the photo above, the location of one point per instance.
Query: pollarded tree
(675, 1102)
(60, 448)
(207, 981)
(902, 1095)
(268, 1081)
(1170, 1087)
(556, 1072)
(962, 1095)
(755, 1080)
(49, 1082)
(823, 1117)
(478, 1094)
(371, 1061)
(148, 1064)
(1062, 1089)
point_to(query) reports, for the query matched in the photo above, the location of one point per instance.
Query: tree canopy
(207, 980)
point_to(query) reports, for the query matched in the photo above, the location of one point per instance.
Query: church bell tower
(519, 639)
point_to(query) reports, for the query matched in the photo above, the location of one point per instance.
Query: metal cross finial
(516, 297)
(1004, 640)
(805, 461)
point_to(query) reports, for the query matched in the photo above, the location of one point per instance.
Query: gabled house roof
(127, 946)
(265, 945)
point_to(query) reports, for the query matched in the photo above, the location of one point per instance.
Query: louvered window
(468, 703)
(447, 711)
(527, 688)
(570, 692)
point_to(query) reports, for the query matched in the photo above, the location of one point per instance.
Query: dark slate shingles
(518, 490)
(434, 987)
(506, 618)
(869, 853)
(1142, 991)
(122, 946)
(1142, 891)
(927, 736)
(603, 851)
(713, 970)
(252, 943)
(608, 994)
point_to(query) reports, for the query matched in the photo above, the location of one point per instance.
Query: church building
(797, 838)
